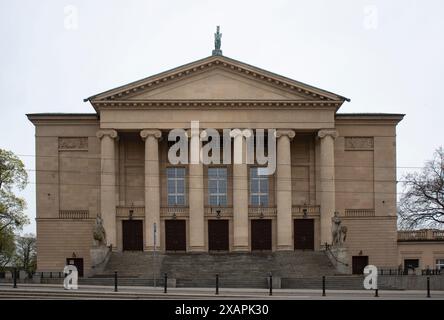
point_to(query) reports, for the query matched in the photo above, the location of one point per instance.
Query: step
(235, 269)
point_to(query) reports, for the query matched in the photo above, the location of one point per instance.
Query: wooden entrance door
(261, 234)
(358, 264)
(218, 235)
(304, 234)
(78, 263)
(175, 235)
(132, 234)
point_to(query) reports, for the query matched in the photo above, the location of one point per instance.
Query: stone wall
(58, 240)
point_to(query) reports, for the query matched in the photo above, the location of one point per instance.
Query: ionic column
(240, 190)
(327, 181)
(196, 194)
(152, 187)
(108, 184)
(283, 194)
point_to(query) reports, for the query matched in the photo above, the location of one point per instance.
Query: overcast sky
(386, 56)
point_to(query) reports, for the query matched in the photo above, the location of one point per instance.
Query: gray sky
(387, 56)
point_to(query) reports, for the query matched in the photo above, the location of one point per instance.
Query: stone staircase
(247, 270)
(235, 270)
(133, 264)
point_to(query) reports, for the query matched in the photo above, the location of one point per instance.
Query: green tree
(7, 248)
(25, 255)
(13, 177)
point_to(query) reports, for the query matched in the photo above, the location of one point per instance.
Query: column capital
(150, 132)
(328, 133)
(285, 133)
(107, 132)
(247, 133)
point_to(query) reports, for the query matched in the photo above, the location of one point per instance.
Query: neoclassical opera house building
(113, 163)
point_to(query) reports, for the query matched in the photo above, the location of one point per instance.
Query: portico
(195, 210)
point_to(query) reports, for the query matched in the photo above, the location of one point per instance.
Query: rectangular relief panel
(73, 143)
(359, 143)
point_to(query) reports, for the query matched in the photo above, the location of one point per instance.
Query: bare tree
(422, 203)
(25, 256)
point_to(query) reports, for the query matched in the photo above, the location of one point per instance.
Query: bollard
(376, 293)
(323, 286)
(165, 282)
(217, 284)
(115, 281)
(428, 287)
(271, 285)
(15, 277)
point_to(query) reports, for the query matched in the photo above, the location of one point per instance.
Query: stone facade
(113, 163)
(426, 247)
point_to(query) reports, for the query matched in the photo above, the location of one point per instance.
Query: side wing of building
(67, 187)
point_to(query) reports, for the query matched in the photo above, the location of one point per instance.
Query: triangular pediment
(217, 83)
(216, 78)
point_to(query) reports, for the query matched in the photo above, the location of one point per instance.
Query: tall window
(217, 186)
(440, 264)
(258, 187)
(176, 186)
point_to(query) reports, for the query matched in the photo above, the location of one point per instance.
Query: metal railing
(50, 274)
(391, 272)
(404, 272)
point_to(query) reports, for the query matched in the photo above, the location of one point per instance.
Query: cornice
(215, 104)
(63, 118)
(368, 118)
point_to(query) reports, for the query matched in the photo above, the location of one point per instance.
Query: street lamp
(217, 210)
(174, 211)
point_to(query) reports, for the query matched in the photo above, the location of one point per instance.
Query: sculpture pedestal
(99, 257)
(339, 257)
